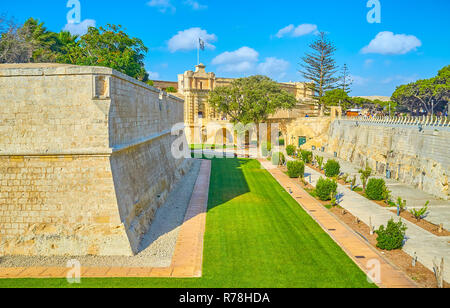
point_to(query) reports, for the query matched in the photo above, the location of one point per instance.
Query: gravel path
(157, 246)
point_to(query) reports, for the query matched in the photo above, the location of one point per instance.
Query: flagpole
(198, 52)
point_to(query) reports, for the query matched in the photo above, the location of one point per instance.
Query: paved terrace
(427, 246)
(439, 210)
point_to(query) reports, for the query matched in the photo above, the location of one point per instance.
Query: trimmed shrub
(391, 237)
(332, 168)
(319, 160)
(376, 190)
(325, 189)
(365, 174)
(281, 142)
(278, 159)
(266, 148)
(290, 150)
(296, 169)
(306, 156)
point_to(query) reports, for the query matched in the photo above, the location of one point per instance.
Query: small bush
(326, 189)
(290, 150)
(391, 237)
(306, 156)
(365, 174)
(319, 161)
(281, 142)
(419, 214)
(401, 205)
(345, 177)
(266, 148)
(376, 190)
(332, 168)
(296, 169)
(353, 183)
(278, 159)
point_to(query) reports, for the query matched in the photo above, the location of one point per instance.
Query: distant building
(375, 97)
(194, 87)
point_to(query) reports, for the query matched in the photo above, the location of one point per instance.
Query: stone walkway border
(353, 245)
(187, 259)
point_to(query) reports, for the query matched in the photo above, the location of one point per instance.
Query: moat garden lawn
(256, 236)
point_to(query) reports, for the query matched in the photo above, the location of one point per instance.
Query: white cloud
(400, 79)
(242, 60)
(359, 81)
(195, 5)
(153, 75)
(388, 43)
(80, 28)
(273, 67)
(301, 30)
(243, 54)
(162, 5)
(188, 39)
(304, 30)
(244, 67)
(245, 61)
(284, 31)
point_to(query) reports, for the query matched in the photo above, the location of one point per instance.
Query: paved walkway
(358, 250)
(427, 245)
(439, 210)
(187, 260)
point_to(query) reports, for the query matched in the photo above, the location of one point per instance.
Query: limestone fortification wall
(315, 129)
(85, 159)
(415, 154)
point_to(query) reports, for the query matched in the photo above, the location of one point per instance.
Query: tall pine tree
(346, 81)
(320, 67)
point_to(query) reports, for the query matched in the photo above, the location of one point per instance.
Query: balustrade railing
(424, 121)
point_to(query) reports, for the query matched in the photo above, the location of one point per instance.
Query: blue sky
(244, 38)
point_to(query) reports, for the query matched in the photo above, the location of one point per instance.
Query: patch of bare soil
(420, 274)
(424, 224)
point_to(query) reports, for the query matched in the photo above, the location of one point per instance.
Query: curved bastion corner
(85, 159)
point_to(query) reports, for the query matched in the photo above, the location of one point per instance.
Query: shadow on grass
(227, 181)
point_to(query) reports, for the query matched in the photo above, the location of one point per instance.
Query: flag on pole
(201, 44)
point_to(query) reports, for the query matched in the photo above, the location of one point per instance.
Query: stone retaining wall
(415, 154)
(85, 159)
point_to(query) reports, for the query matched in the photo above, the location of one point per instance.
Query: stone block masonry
(414, 154)
(85, 159)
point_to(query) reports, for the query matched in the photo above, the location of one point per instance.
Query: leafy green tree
(337, 97)
(45, 43)
(68, 44)
(320, 67)
(110, 47)
(30, 42)
(171, 90)
(251, 100)
(429, 95)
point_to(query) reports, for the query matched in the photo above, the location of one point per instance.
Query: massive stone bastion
(85, 159)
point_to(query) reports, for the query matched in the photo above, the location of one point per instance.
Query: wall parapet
(424, 121)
